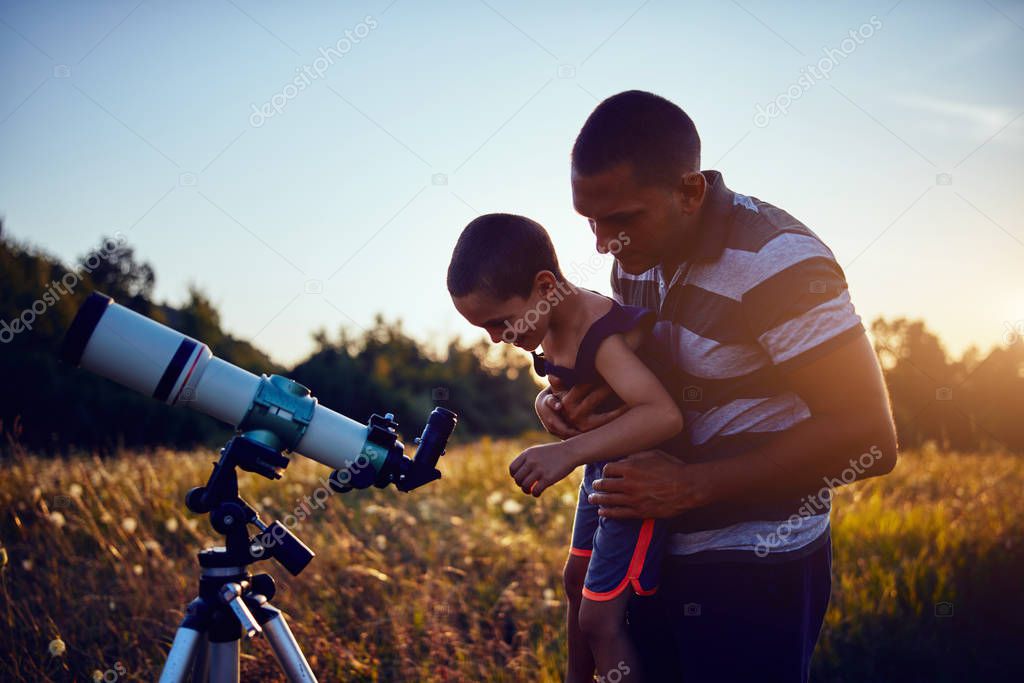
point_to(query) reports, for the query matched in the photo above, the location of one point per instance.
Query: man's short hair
(652, 134)
(500, 254)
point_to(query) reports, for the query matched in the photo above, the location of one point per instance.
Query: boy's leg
(580, 668)
(626, 561)
(604, 625)
(581, 662)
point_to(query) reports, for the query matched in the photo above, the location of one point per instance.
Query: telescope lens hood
(82, 327)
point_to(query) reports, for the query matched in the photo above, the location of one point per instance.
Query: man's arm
(850, 417)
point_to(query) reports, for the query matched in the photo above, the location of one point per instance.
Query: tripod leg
(286, 649)
(224, 662)
(178, 668)
(201, 663)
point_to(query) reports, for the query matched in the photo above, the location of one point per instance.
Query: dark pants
(733, 621)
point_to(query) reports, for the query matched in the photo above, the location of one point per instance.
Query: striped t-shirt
(758, 294)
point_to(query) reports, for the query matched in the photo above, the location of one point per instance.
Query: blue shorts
(622, 552)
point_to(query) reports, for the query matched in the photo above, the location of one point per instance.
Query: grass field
(461, 580)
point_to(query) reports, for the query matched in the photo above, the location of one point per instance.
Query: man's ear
(692, 189)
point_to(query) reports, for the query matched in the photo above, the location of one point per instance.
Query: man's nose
(602, 244)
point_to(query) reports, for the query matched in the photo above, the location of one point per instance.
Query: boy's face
(519, 321)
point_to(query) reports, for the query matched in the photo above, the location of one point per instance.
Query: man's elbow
(883, 448)
(890, 457)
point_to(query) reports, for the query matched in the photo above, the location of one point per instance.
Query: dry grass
(460, 581)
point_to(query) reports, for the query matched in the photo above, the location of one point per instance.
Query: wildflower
(97, 675)
(511, 507)
(26, 565)
(495, 498)
(75, 490)
(455, 521)
(151, 545)
(381, 541)
(129, 524)
(137, 569)
(58, 519)
(57, 647)
(112, 605)
(568, 499)
(549, 594)
(171, 524)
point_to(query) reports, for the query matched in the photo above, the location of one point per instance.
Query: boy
(504, 277)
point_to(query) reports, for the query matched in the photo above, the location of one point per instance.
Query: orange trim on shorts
(580, 552)
(636, 567)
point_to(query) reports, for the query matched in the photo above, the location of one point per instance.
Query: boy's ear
(544, 282)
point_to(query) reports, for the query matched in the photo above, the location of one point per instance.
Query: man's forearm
(820, 452)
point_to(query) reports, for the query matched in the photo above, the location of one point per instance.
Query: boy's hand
(538, 467)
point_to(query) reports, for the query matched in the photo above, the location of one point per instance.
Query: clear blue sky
(138, 117)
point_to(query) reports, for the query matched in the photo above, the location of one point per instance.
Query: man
(780, 389)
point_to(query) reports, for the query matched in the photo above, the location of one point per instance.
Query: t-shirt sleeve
(802, 312)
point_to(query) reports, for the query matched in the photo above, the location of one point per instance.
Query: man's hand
(573, 413)
(548, 407)
(651, 484)
(538, 467)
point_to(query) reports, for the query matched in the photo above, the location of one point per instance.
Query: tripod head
(231, 516)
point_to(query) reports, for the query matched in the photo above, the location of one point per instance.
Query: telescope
(272, 415)
(269, 414)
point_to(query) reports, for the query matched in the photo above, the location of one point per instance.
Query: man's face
(640, 224)
(519, 321)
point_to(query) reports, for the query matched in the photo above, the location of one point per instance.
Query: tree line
(972, 403)
(49, 406)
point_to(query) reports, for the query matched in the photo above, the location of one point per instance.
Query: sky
(311, 166)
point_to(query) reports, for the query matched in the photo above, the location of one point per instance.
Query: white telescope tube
(141, 354)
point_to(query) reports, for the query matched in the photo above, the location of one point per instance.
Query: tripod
(233, 604)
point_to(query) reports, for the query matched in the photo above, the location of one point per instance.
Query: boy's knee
(600, 623)
(573, 576)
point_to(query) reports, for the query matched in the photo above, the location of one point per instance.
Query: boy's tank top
(618, 320)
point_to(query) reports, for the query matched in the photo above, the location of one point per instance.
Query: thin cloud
(966, 119)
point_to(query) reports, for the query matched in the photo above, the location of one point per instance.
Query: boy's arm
(651, 417)
(584, 400)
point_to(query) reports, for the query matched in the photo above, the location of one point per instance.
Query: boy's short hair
(642, 129)
(501, 254)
